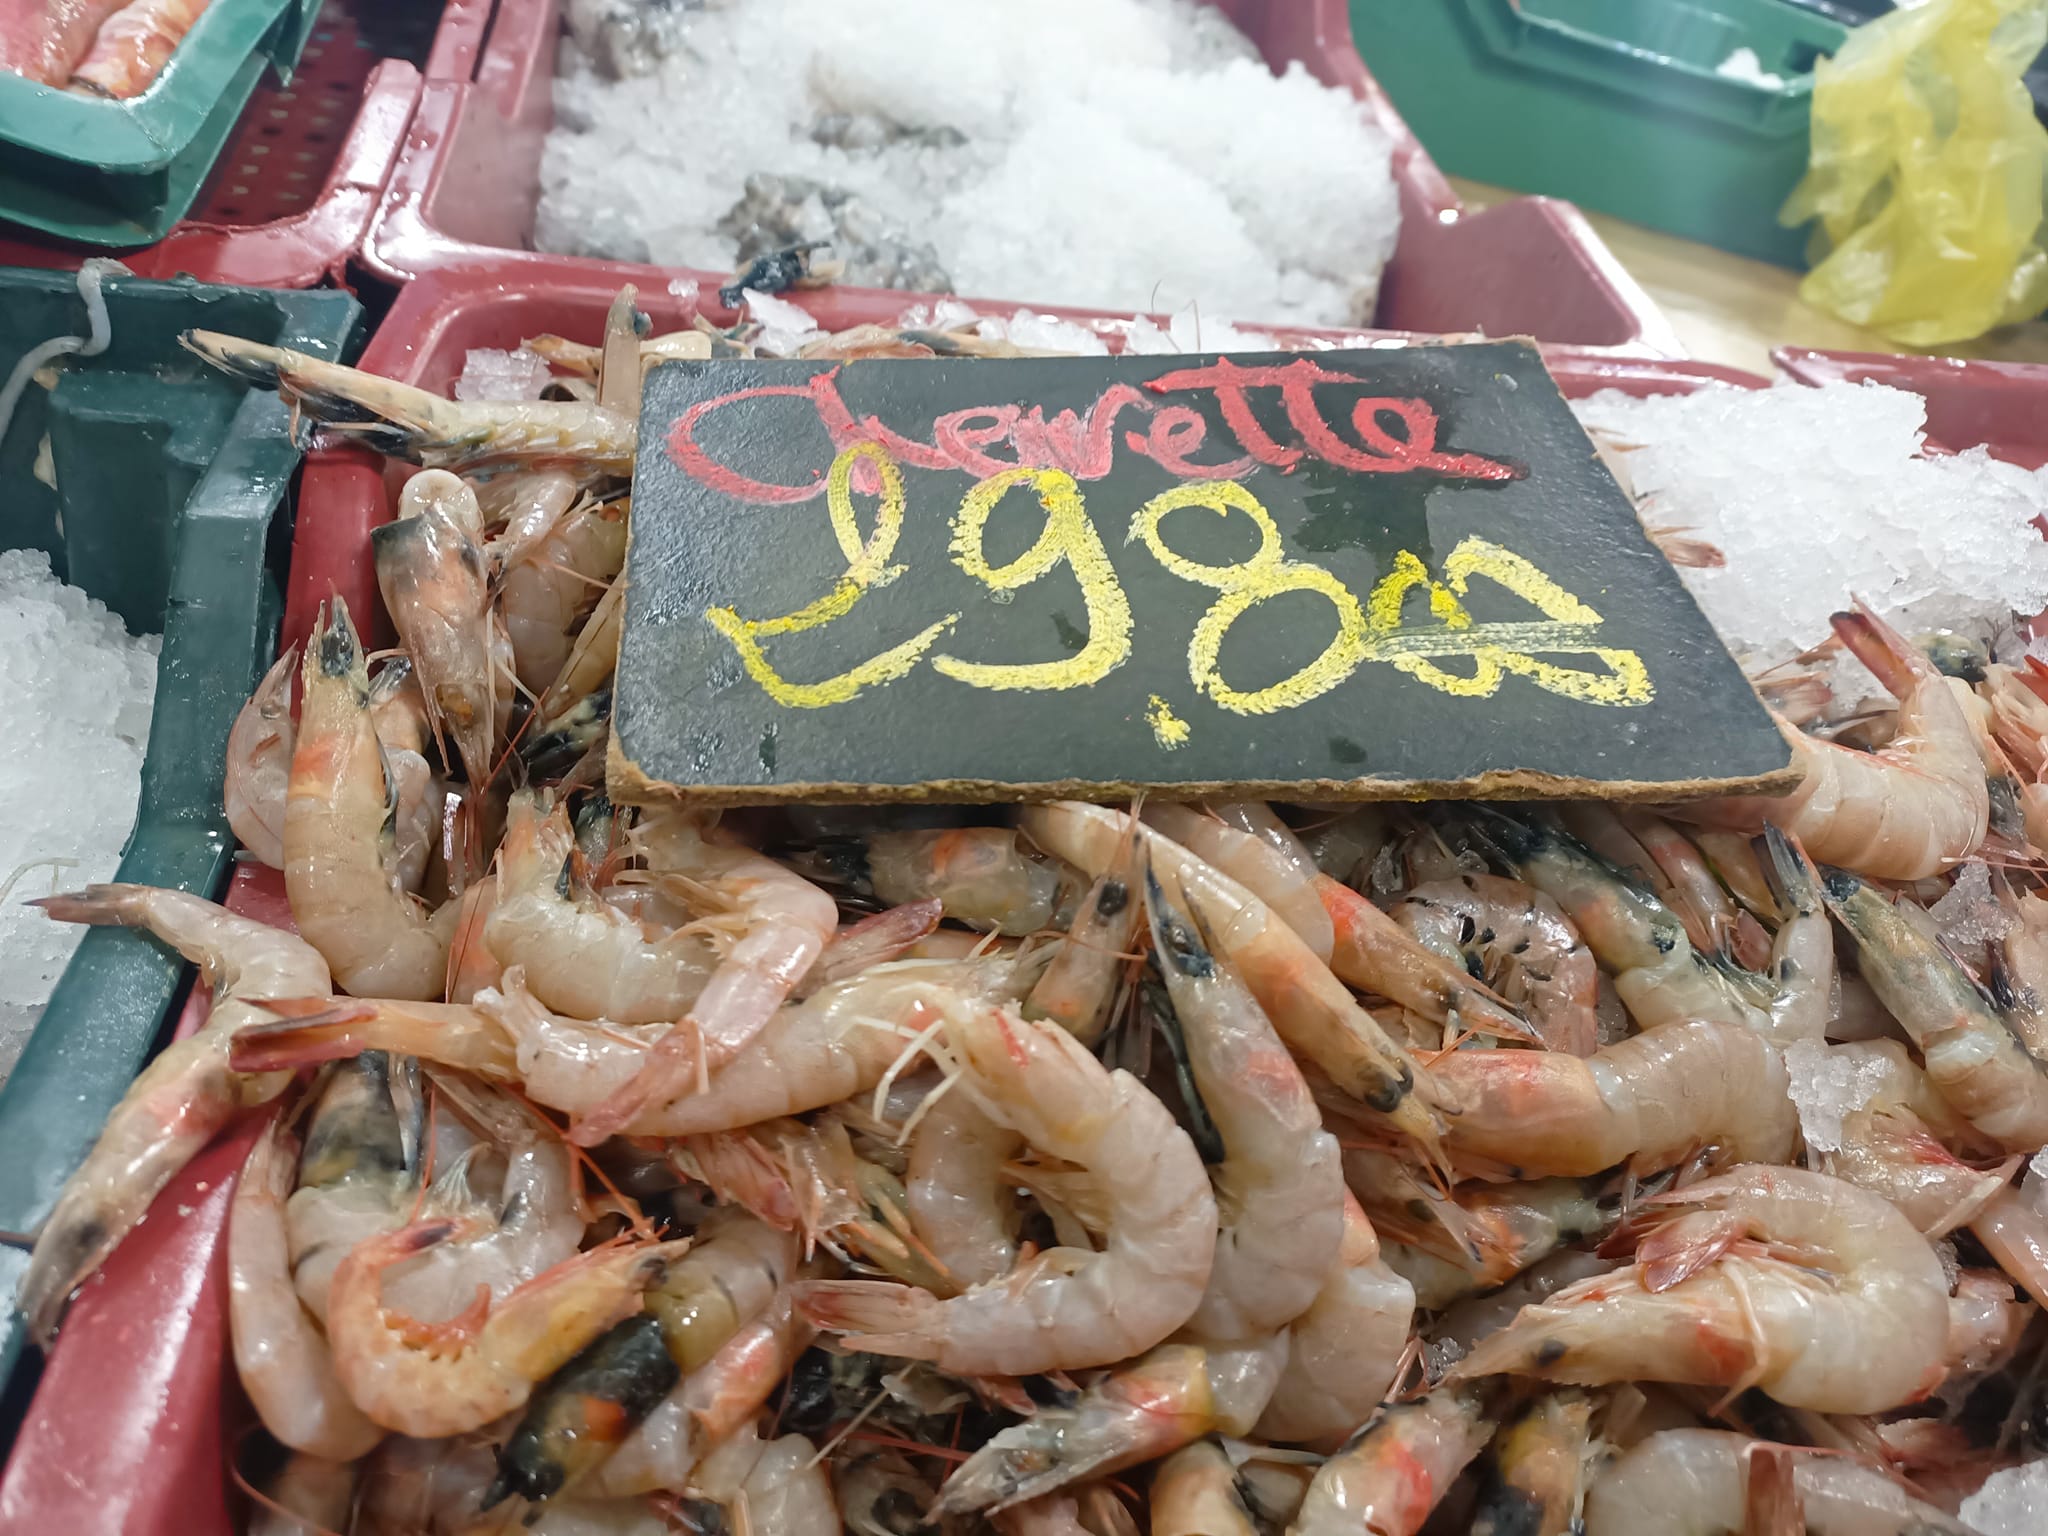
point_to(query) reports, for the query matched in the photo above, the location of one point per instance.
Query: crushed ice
(77, 691)
(1815, 494)
(1744, 65)
(489, 374)
(1830, 1083)
(1126, 154)
(2012, 1502)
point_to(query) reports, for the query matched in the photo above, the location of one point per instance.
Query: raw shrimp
(1986, 1318)
(379, 940)
(1345, 1350)
(1536, 1474)
(728, 1278)
(1065, 1309)
(1174, 1395)
(1079, 988)
(1346, 840)
(182, 1099)
(580, 953)
(1696, 1482)
(1518, 940)
(1280, 1184)
(412, 1487)
(710, 1405)
(582, 1414)
(398, 715)
(524, 506)
(260, 763)
(958, 1196)
(979, 876)
(426, 1381)
(530, 1221)
(1650, 1101)
(2014, 1231)
(1642, 944)
(1195, 1493)
(839, 1042)
(436, 586)
(881, 1494)
(545, 595)
(782, 922)
(591, 659)
(1802, 962)
(471, 966)
(1903, 813)
(1691, 889)
(1816, 1291)
(134, 44)
(788, 1492)
(1251, 845)
(1494, 1230)
(1391, 1475)
(1307, 1005)
(1889, 1151)
(1375, 954)
(409, 423)
(309, 1496)
(1971, 1055)
(360, 1172)
(1462, 1326)
(280, 1356)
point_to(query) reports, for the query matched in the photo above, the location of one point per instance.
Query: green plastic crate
(1614, 104)
(124, 172)
(170, 478)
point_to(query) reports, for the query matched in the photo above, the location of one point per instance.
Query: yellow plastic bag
(1927, 172)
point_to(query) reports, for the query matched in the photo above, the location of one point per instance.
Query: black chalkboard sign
(1360, 574)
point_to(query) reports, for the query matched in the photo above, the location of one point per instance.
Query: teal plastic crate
(124, 172)
(1615, 104)
(170, 481)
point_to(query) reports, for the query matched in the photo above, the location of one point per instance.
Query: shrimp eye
(1115, 897)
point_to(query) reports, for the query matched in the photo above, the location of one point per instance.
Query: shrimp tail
(332, 1029)
(1892, 659)
(874, 1315)
(122, 906)
(675, 1066)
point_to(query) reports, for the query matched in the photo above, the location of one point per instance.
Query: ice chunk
(491, 374)
(2012, 1502)
(1129, 154)
(1829, 1083)
(77, 691)
(2034, 1183)
(1743, 64)
(785, 327)
(1819, 494)
(1969, 915)
(1045, 333)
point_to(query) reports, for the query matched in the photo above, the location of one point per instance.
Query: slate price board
(1361, 574)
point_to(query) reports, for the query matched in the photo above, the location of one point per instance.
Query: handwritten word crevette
(1369, 631)
(1084, 446)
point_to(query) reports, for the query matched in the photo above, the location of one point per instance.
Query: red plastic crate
(293, 192)
(468, 181)
(137, 1410)
(2004, 406)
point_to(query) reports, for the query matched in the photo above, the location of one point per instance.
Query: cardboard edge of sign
(627, 784)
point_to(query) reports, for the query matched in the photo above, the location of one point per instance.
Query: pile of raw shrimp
(1207, 1169)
